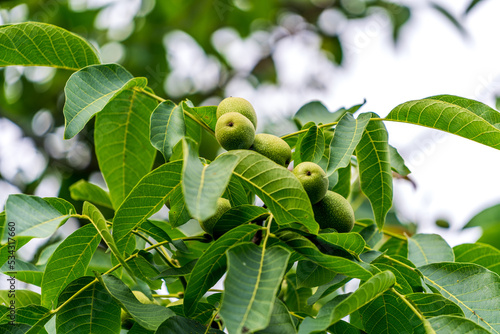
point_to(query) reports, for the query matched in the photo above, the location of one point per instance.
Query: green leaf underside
(167, 127)
(448, 324)
(40, 44)
(345, 139)
(203, 185)
(149, 316)
(433, 305)
(279, 189)
(178, 213)
(212, 265)
(34, 217)
(375, 169)
(24, 272)
(122, 144)
(145, 199)
(482, 254)
(397, 162)
(351, 241)
(236, 216)
(178, 324)
(337, 264)
(92, 311)
(388, 314)
(85, 191)
(429, 248)
(90, 89)
(97, 219)
(464, 117)
(316, 112)
(281, 321)
(475, 289)
(252, 281)
(312, 145)
(489, 217)
(69, 261)
(333, 311)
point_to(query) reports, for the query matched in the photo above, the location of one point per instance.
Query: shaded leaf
(312, 145)
(92, 311)
(281, 321)
(236, 216)
(178, 213)
(316, 112)
(310, 275)
(149, 316)
(177, 324)
(212, 265)
(433, 305)
(334, 310)
(206, 114)
(41, 44)
(397, 162)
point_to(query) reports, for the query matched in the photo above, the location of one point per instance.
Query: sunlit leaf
(41, 44)
(236, 216)
(85, 191)
(482, 254)
(312, 145)
(448, 324)
(433, 304)
(429, 248)
(167, 127)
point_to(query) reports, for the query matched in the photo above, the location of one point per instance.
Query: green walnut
(222, 206)
(273, 148)
(239, 105)
(313, 179)
(334, 211)
(234, 131)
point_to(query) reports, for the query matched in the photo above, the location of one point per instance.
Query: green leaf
(403, 265)
(33, 216)
(482, 254)
(395, 246)
(252, 281)
(388, 314)
(453, 20)
(333, 311)
(15, 329)
(316, 112)
(347, 135)
(489, 217)
(433, 305)
(340, 182)
(402, 286)
(472, 4)
(122, 144)
(375, 169)
(211, 266)
(145, 271)
(167, 127)
(85, 191)
(397, 162)
(97, 312)
(448, 324)
(236, 193)
(206, 114)
(281, 321)
(337, 264)
(24, 272)
(329, 288)
(28, 315)
(97, 219)
(279, 189)
(310, 275)
(352, 242)
(236, 216)
(147, 197)
(40, 44)
(174, 272)
(149, 316)
(343, 327)
(464, 117)
(203, 185)
(295, 298)
(429, 248)
(90, 89)
(312, 145)
(178, 213)
(177, 324)
(23, 297)
(474, 288)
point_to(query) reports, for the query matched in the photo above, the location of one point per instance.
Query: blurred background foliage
(202, 50)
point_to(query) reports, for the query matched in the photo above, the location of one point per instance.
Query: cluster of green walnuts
(235, 129)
